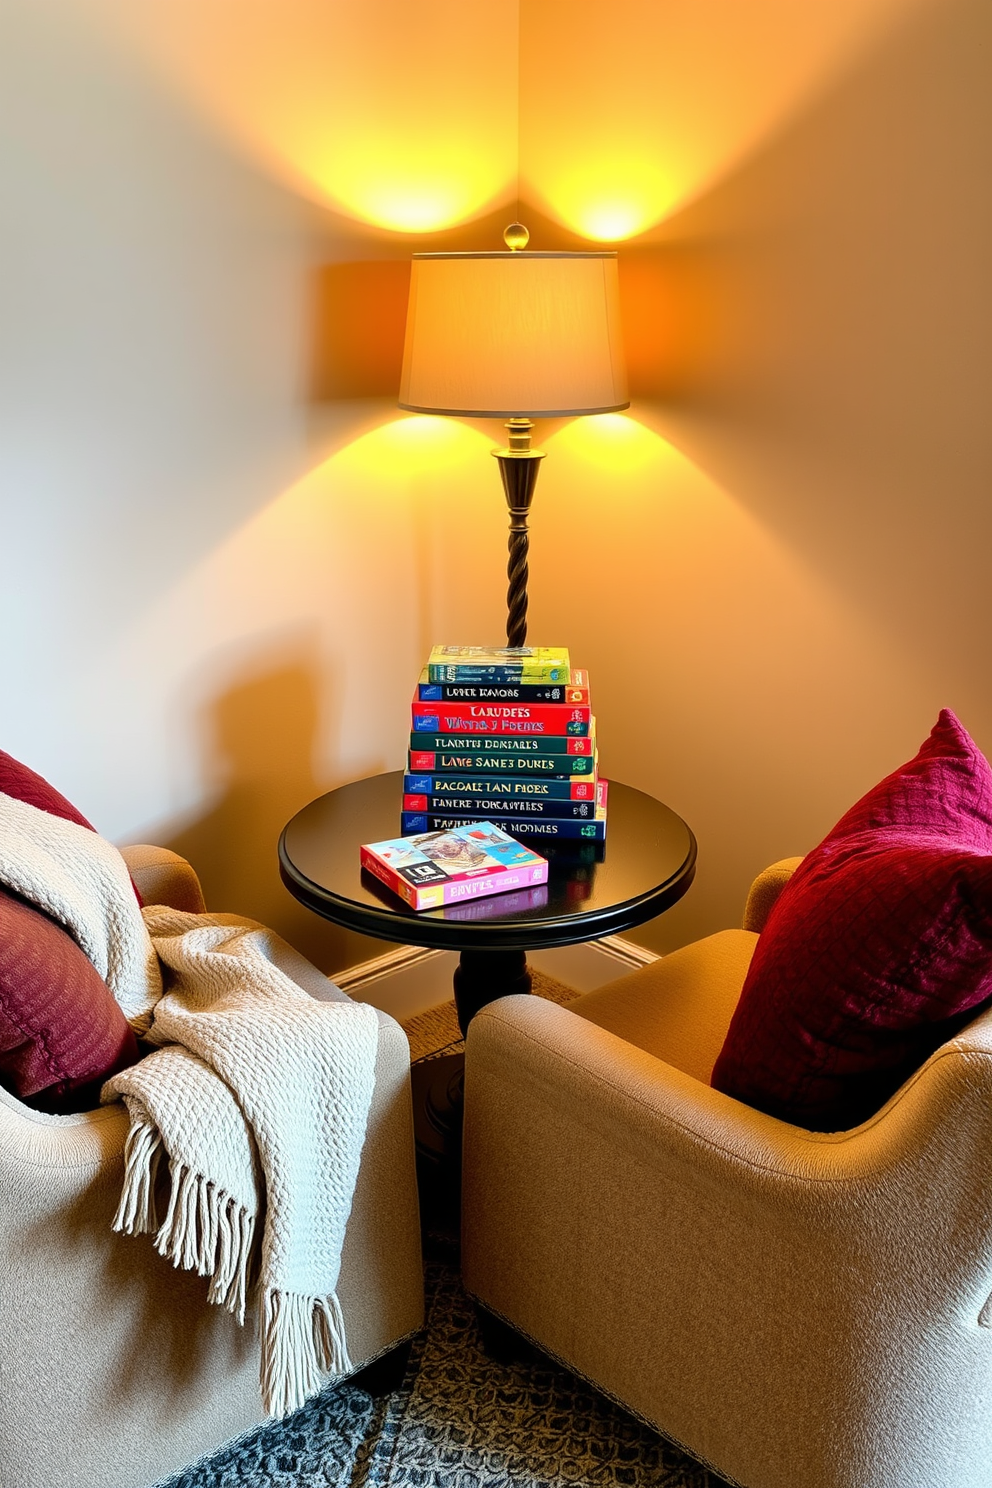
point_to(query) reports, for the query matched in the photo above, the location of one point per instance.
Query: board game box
(450, 866)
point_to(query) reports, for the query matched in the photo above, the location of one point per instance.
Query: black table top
(644, 867)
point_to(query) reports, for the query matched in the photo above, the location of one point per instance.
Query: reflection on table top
(645, 866)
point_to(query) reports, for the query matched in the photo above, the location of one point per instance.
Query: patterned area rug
(459, 1421)
(436, 1031)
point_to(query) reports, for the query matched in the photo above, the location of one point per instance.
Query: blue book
(500, 809)
(575, 691)
(550, 826)
(501, 787)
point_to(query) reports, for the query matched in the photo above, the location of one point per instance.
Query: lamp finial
(516, 237)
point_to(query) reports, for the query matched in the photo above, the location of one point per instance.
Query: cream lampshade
(517, 336)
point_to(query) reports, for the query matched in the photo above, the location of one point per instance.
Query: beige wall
(224, 554)
(798, 549)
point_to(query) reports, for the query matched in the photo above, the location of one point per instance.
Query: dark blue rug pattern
(460, 1420)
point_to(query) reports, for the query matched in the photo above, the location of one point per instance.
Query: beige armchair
(114, 1370)
(797, 1310)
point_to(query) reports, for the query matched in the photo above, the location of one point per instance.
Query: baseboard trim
(627, 951)
(405, 958)
(391, 963)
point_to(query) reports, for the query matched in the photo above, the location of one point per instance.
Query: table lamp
(517, 336)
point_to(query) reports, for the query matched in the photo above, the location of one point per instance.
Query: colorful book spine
(500, 787)
(566, 767)
(501, 718)
(572, 693)
(550, 827)
(481, 665)
(507, 745)
(515, 808)
(499, 809)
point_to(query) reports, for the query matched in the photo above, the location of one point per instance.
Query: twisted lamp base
(518, 467)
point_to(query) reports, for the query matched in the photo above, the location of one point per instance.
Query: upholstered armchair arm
(643, 1225)
(765, 890)
(163, 877)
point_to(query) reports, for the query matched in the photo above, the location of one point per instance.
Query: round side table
(644, 867)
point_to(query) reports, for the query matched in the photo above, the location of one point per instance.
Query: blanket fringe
(143, 1150)
(208, 1232)
(303, 1340)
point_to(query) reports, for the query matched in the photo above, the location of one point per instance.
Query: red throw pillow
(61, 1031)
(878, 950)
(25, 785)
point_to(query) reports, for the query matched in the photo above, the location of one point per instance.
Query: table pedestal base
(482, 976)
(438, 1084)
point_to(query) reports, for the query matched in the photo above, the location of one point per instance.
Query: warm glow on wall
(413, 446)
(628, 115)
(400, 115)
(614, 196)
(610, 441)
(355, 547)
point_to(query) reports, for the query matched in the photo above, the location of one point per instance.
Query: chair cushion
(678, 1007)
(878, 950)
(61, 1031)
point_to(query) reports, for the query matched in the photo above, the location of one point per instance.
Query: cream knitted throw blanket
(257, 1096)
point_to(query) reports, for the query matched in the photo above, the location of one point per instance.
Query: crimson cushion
(61, 1031)
(24, 785)
(878, 950)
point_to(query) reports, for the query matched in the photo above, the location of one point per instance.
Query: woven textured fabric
(61, 1032)
(879, 949)
(258, 1096)
(78, 878)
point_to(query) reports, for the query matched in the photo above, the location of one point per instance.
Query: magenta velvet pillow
(878, 950)
(61, 1031)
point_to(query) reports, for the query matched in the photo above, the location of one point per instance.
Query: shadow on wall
(259, 739)
(359, 321)
(358, 306)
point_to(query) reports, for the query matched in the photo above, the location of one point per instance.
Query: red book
(558, 719)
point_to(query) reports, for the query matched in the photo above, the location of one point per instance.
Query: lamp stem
(518, 467)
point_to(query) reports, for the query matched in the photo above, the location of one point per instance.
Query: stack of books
(507, 736)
